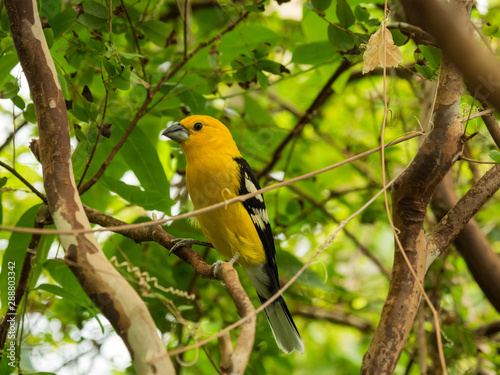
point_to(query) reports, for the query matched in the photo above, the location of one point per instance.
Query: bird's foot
(189, 242)
(217, 264)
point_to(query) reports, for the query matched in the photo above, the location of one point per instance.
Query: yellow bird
(216, 172)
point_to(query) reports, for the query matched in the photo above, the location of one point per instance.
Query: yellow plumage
(216, 172)
(230, 228)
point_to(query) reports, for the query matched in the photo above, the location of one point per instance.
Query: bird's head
(195, 133)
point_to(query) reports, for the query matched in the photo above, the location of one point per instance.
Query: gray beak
(176, 132)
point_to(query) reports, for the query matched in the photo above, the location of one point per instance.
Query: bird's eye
(198, 126)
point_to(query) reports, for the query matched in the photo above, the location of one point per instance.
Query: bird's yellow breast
(230, 229)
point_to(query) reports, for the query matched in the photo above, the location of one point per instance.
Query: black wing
(256, 208)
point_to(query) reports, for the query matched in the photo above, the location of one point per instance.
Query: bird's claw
(217, 264)
(189, 242)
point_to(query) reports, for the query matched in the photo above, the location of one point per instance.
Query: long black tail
(284, 330)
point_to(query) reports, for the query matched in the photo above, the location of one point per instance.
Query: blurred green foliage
(258, 78)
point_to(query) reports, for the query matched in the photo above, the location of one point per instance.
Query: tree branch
(24, 181)
(480, 69)
(320, 99)
(109, 291)
(410, 196)
(471, 242)
(404, 72)
(12, 135)
(236, 361)
(457, 218)
(351, 236)
(418, 35)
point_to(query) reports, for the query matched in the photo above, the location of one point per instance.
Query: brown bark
(235, 361)
(105, 286)
(480, 69)
(456, 219)
(472, 244)
(411, 195)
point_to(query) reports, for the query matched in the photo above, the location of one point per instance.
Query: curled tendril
(145, 278)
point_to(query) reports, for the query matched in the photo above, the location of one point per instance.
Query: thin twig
(388, 210)
(321, 206)
(136, 40)
(323, 246)
(151, 94)
(87, 165)
(185, 27)
(24, 181)
(320, 99)
(477, 161)
(11, 135)
(240, 198)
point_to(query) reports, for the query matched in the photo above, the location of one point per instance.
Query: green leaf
(95, 15)
(49, 36)
(262, 50)
(62, 22)
(432, 55)
(10, 90)
(344, 14)
(321, 5)
(156, 31)
(50, 8)
(398, 37)
(68, 294)
(270, 66)
(263, 81)
(29, 114)
(95, 9)
(362, 15)
(44, 246)
(495, 155)
(141, 156)
(255, 8)
(92, 22)
(314, 53)
(14, 254)
(109, 67)
(58, 291)
(339, 39)
(248, 37)
(79, 112)
(19, 102)
(192, 99)
(293, 207)
(425, 71)
(122, 81)
(149, 200)
(129, 55)
(7, 46)
(7, 62)
(60, 272)
(63, 83)
(489, 29)
(255, 113)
